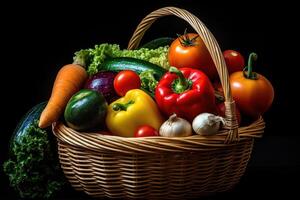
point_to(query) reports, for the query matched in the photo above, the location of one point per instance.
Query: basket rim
(97, 141)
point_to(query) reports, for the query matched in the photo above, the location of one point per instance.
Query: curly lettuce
(94, 57)
(33, 167)
(149, 81)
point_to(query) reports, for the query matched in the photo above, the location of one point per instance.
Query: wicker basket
(159, 167)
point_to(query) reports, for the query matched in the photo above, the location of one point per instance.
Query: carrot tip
(41, 124)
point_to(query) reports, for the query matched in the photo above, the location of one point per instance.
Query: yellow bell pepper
(135, 109)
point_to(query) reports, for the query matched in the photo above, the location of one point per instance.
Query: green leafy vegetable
(149, 81)
(33, 167)
(93, 58)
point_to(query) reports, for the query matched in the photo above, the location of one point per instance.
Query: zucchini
(159, 42)
(137, 65)
(26, 121)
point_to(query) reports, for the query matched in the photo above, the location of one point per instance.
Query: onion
(207, 124)
(175, 127)
(103, 82)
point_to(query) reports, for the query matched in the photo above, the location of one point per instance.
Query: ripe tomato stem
(186, 41)
(250, 74)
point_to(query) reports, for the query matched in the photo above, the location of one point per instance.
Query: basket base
(182, 175)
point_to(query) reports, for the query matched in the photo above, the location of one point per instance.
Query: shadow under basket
(160, 167)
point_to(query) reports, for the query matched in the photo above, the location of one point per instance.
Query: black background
(37, 39)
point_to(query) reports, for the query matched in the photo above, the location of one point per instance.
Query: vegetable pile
(140, 89)
(167, 88)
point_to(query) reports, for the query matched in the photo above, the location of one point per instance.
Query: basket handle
(214, 50)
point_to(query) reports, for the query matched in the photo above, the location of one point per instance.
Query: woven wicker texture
(160, 167)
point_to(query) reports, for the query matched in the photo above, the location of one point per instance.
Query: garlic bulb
(207, 124)
(175, 127)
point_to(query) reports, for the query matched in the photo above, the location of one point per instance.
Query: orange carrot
(69, 80)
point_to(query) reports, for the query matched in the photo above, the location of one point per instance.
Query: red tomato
(252, 92)
(190, 51)
(126, 80)
(234, 61)
(221, 111)
(146, 131)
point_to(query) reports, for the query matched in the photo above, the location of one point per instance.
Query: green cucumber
(136, 65)
(159, 42)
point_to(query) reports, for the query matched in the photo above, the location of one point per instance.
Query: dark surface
(38, 39)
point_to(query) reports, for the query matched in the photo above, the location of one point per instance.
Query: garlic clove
(175, 127)
(207, 124)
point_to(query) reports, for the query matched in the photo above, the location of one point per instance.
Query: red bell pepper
(186, 92)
